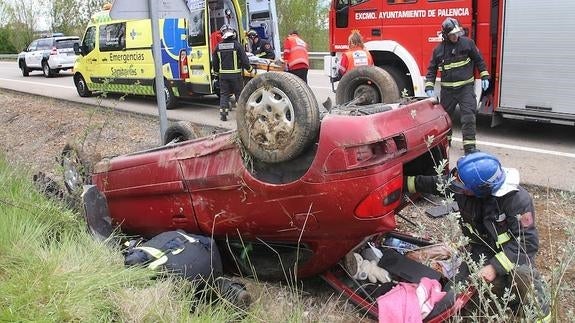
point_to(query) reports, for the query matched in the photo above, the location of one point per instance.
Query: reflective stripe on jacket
(456, 62)
(229, 58)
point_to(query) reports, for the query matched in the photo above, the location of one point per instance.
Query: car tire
(277, 117)
(171, 100)
(46, 69)
(76, 169)
(82, 86)
(181, 131)
(24, 68)
(367, 85)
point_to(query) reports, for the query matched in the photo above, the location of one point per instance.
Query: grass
(52, 270)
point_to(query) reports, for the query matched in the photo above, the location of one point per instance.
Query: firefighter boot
(234, 292)
(232, 103)
(224, 114)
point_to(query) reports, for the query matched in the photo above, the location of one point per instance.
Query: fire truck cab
(529, 62)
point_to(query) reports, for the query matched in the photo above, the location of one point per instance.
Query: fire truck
(524, 43)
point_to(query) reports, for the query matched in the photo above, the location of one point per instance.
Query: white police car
(49, 55)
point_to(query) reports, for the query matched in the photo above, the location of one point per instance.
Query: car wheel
(171, 100)
(24, 68)
(277, 117)
(76, 169)
(367, 85)
(81, 86)
(46, 69)
(181, 131)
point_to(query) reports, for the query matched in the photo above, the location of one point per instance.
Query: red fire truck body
(524, 43)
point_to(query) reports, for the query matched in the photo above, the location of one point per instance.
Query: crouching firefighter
(498, 217)
(228, 60)
(193, 257)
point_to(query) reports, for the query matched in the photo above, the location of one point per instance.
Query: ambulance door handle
(376, 32)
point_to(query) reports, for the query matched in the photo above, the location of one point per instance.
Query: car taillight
(184, 72)
(365, 155)
(54, 51)
(382, 200)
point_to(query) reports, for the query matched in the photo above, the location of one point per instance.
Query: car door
(29, 55)
(43, 49)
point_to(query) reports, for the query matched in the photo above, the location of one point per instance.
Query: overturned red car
(296, 188)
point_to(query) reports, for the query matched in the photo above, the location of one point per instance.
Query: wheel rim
(270, 116)
(167, 94)
(369, 93)
(46, 69)
(81, 86)
(71, 168)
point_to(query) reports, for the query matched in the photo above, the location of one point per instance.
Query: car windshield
(66, 43)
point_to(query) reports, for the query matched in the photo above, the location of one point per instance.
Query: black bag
(191, 256)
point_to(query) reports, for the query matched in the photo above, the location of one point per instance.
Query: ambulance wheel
(76, 169)
(277, 117)
(46, 69)
(367, 85)
(171, 100)
(81, 86)
(24, 68)
(181, 131)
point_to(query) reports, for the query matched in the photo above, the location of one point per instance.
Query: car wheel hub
(270, 116)
(368, 93)
(72, 176)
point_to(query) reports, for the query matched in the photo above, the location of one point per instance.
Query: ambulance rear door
(262, 17)
(199, 57)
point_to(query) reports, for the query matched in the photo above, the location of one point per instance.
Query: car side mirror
(77, 49)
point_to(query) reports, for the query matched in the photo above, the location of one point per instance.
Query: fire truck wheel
(367, 85)
(277, 117)
(76, 169)
(181, 131)
(402, 81)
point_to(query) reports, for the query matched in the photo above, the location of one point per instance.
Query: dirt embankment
(33, 131)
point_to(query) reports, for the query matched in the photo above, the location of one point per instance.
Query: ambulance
(116, 55)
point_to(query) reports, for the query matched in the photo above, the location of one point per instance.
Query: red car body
(350, 190)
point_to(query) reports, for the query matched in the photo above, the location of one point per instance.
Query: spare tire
(181, 131)
(367, 84)
(277, 117)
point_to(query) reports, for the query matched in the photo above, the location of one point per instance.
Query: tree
(22, 16)
(308, 17)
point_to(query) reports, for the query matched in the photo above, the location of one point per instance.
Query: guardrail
(8, 57)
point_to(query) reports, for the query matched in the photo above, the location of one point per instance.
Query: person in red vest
(296, 56)
(355, 56)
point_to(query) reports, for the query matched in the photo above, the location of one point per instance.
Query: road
(543, 153)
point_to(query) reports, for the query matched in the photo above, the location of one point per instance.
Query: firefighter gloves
(485, 84)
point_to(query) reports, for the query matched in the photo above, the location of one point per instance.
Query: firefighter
(356, 55)
(228, 60)
(296, 56)
(498, 217)
(259, 47)
(456, 57)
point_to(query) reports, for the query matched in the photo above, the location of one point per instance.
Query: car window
(44, 44)
(66, 43)
(33, 46)
(89, 42)
(112, 37)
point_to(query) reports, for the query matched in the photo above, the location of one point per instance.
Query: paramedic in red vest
(295, 55)
(355, 56)
(456, 58)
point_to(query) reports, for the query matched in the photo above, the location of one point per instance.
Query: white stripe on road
(521, 148)
(38, 83)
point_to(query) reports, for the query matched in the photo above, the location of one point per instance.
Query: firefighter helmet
(252, 34)
(450, 26)
(480, 173)
(227, 32)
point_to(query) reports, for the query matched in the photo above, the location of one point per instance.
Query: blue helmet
(480, 173)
